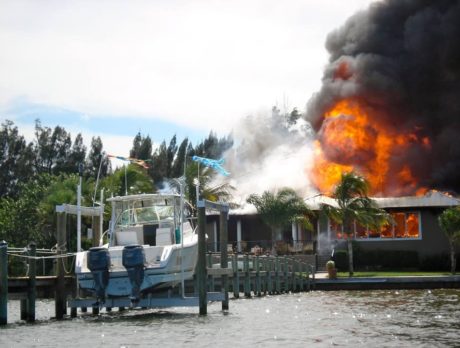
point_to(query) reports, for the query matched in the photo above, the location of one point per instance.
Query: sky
(159, 67)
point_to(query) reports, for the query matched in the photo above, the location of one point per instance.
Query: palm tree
(353, 205)
(449, 221)
(210, 189)
(280, 209)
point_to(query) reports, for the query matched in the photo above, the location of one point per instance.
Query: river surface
(403, 318)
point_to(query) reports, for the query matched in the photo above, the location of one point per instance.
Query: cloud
(201, 64)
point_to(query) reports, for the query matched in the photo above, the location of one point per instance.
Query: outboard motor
(99, 264)
(134, 262)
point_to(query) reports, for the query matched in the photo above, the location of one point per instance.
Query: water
(403, 318)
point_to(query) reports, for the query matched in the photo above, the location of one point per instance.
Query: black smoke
(400, 59)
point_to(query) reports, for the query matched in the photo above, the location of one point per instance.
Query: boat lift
(200, 297)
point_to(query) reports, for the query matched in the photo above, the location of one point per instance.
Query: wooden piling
(3, 282)
(60, 295)
(201, 264)
(247, 276)
(23, 308)
(32, 289)
(294, 275)
(236, 277)
(270, 275)
(224, 256)
(286, 274)
(211, 282)
(257, 291)
(277, 275)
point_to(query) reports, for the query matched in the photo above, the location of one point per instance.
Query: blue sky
(113, 68)
(24, 114)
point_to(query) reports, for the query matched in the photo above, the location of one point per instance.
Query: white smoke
(269, 154)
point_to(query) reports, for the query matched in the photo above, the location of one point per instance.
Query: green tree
(21, 220)
(280, 209)
(177, 169)
(212, 146)
(16, 159)
(354, 205)
(449, 221)
(159, 168)
(97, 158)
(77, 155)
(52, 148)
(142, 147)
(136, 178)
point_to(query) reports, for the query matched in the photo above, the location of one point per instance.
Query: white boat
(151, 247)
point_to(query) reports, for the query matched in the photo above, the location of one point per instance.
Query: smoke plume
(400, 60)
(269, 153)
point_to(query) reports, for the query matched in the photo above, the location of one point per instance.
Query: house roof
(430, 199)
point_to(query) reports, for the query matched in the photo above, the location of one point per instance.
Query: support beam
(32, 289)
(224, 255)
(201, 264)
(3, 283)
(238, 235)
(60, 296)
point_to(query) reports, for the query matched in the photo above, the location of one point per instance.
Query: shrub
(386, 259)
(438, 262)
(341, 260)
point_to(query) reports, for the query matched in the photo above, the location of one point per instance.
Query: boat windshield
(146, 215)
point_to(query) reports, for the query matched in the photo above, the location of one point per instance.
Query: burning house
(389, 110)
(414, 228)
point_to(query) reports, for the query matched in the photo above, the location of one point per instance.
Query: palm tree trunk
(350, 256)
(453, 261)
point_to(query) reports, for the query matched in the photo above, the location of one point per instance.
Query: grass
(371, 274)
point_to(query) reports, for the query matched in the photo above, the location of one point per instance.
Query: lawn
(392, 274)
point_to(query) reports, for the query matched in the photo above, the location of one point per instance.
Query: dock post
(60, 295)
(3, 282)
(268, 269)
(277, 275)
(32, 290)
(294, 275)
(211, 281)
(236, 277)
(224, 256)
(302, 283)
(258, 287)
(247, 277)
(286, 274)
(201, 264)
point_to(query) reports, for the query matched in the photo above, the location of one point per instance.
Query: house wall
(433, 240)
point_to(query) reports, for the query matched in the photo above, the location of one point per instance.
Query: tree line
(36, 176)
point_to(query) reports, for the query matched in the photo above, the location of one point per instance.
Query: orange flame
(349, 141)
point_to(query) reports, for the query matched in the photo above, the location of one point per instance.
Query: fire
(350, 140)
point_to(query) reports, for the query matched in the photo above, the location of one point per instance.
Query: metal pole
(79, 216)
(3, 282)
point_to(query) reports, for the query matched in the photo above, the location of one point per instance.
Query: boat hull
(165, 267)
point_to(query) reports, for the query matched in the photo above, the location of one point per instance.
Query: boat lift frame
(201, 296)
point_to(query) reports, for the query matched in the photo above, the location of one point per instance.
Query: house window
(406, 225)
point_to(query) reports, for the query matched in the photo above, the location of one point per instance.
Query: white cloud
(199, 63)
